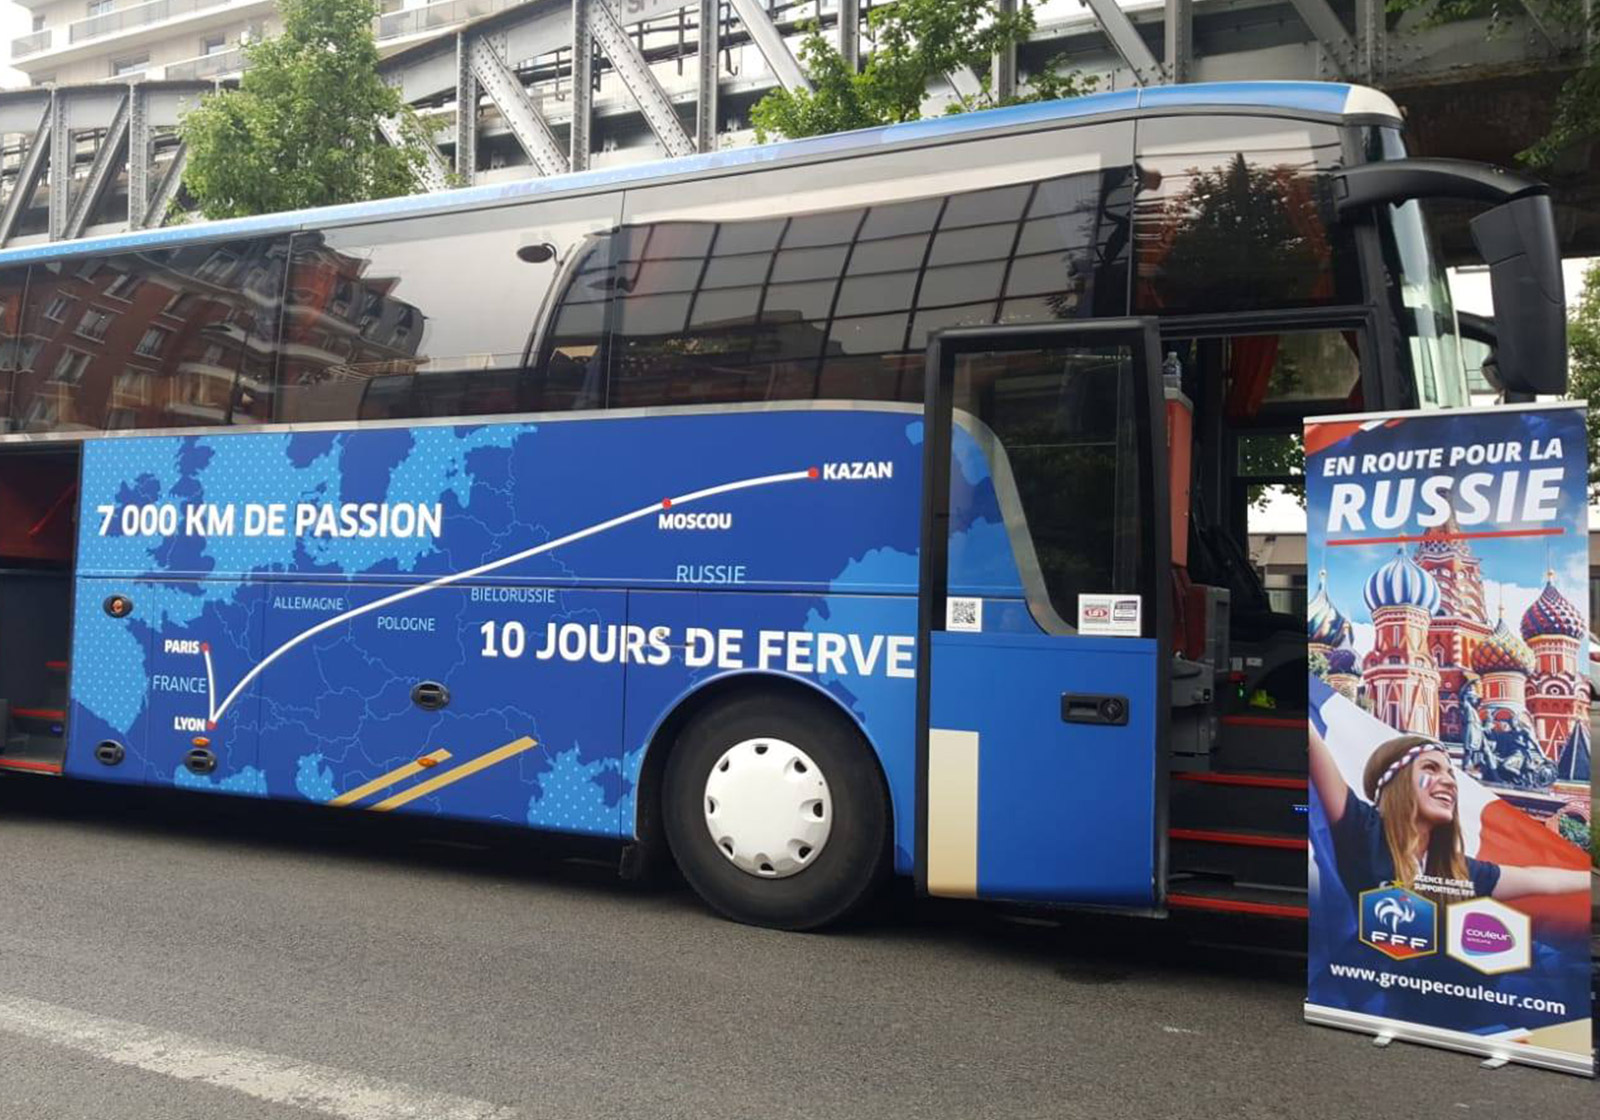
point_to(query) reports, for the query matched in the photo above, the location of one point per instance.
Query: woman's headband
(1398, 765)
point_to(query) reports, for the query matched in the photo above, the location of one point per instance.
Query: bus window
(409, 318)
(1235, 214)
(13, 286)
(163, 338)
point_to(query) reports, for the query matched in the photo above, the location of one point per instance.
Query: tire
(847, 866)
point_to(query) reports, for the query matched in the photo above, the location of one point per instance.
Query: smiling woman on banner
(1411, 831)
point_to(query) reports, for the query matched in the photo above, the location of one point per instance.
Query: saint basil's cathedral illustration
(1512, 704)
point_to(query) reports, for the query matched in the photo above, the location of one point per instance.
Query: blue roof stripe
(1315, 97)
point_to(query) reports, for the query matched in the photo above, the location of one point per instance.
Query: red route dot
(205, 647)
(813, 473)
(211, 725)
(666, 503)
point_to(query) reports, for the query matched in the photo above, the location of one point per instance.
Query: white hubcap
(767, 808)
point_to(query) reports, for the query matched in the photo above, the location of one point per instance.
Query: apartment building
(73, 42)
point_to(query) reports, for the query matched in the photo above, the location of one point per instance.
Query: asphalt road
(248, 963)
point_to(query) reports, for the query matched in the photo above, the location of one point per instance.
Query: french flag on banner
(1492, 829)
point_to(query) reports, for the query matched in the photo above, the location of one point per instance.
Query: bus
(860, 506)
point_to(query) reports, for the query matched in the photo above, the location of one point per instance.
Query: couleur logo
(1489, 936)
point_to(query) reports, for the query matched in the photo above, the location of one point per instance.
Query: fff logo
(1400, 924)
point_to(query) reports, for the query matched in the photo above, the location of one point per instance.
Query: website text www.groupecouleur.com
(1427, 986)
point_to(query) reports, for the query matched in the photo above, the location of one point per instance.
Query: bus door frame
(1144, 336)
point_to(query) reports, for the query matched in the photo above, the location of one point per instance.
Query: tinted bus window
(13, 288)
(165, 338)
(1235, 214)
(840, 304)
(440, 316)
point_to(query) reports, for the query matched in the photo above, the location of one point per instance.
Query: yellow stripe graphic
(952, 813)
(384, 781)
(465, 770)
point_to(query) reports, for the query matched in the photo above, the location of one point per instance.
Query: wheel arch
(649, 833)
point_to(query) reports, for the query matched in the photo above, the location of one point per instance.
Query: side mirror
(1518, 241)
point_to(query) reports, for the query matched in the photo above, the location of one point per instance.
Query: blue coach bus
(817, 512)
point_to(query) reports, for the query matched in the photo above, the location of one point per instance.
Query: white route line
(216, 710)
(267, 1077)
(211, 679)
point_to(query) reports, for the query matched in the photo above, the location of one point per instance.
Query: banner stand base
(1498, 1050)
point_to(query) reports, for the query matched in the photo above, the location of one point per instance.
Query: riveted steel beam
(1179, 40)
(138, 156)
(769, 41)
(1127, 42)
(27, 175)
(1330, 34)
(434, 172)
(521, 115)
(582, 87)
(166, 190)
(641, 84)
(1374, 33)
(60, 194)
(107, 155)
(466, 116)
(708, 59)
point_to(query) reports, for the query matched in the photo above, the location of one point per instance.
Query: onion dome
(1552, 613)
(1342, 661)
(1402, 582)
(1325, 623)
(1503, 652)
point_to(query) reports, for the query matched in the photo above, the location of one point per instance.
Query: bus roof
(1319, 98)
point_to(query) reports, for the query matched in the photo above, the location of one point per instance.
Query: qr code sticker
(963, 614)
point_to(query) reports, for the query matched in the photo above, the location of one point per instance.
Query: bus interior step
(1218, 896)
(35, 754)
(1230, 801)
(1272, 859)
(1271, 742)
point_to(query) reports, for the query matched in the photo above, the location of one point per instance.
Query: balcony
(212, 65)
(138, 15)
(433, 17)
(24, 45)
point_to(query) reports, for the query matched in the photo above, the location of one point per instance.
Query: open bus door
(1042, 746)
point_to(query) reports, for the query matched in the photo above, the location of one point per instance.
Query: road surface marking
(384, 781)
(465, 770)
(527, 553)
(267, 1077)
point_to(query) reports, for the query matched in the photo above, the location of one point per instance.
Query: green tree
(913, 43)
(302, 128)
(1583, 354)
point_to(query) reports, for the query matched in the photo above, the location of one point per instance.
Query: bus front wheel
(776, 812)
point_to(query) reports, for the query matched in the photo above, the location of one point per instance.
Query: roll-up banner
(1452, 787)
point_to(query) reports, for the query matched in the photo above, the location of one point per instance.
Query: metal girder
(94, 184)
(708, 52)
(27, 175)
(850, 32)
(167, 189)
(466, 116)
(138, 156)
(635, 73)
(769, 41)
(521, 115)
(59, 197)
(434, 173)
(1330, 34)
(964, 82)
(1125, 39)
(1374, 31)
(582, 87)
(1179, 30)
(1003, 67)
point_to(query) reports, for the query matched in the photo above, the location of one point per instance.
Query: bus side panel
(859, 649)
(109, 693)
(518, 733)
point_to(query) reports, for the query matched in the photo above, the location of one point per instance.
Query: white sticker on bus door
(1115, 616)
(963, 614)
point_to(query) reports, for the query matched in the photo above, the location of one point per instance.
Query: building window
(152, 342)
(123, 67)
(94, 323)
(179, 305)
(122, 286)
(58, 308)
(38, 23)
(100, 7)
(213, 44)
(69, 368)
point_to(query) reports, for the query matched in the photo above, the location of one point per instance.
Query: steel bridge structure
(540, 87)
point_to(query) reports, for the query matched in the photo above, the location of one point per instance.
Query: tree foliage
(913, 43)
(1576, 119)
(302, 127)
(1583, 352)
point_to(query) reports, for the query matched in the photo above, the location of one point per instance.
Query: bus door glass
(1045, 585)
